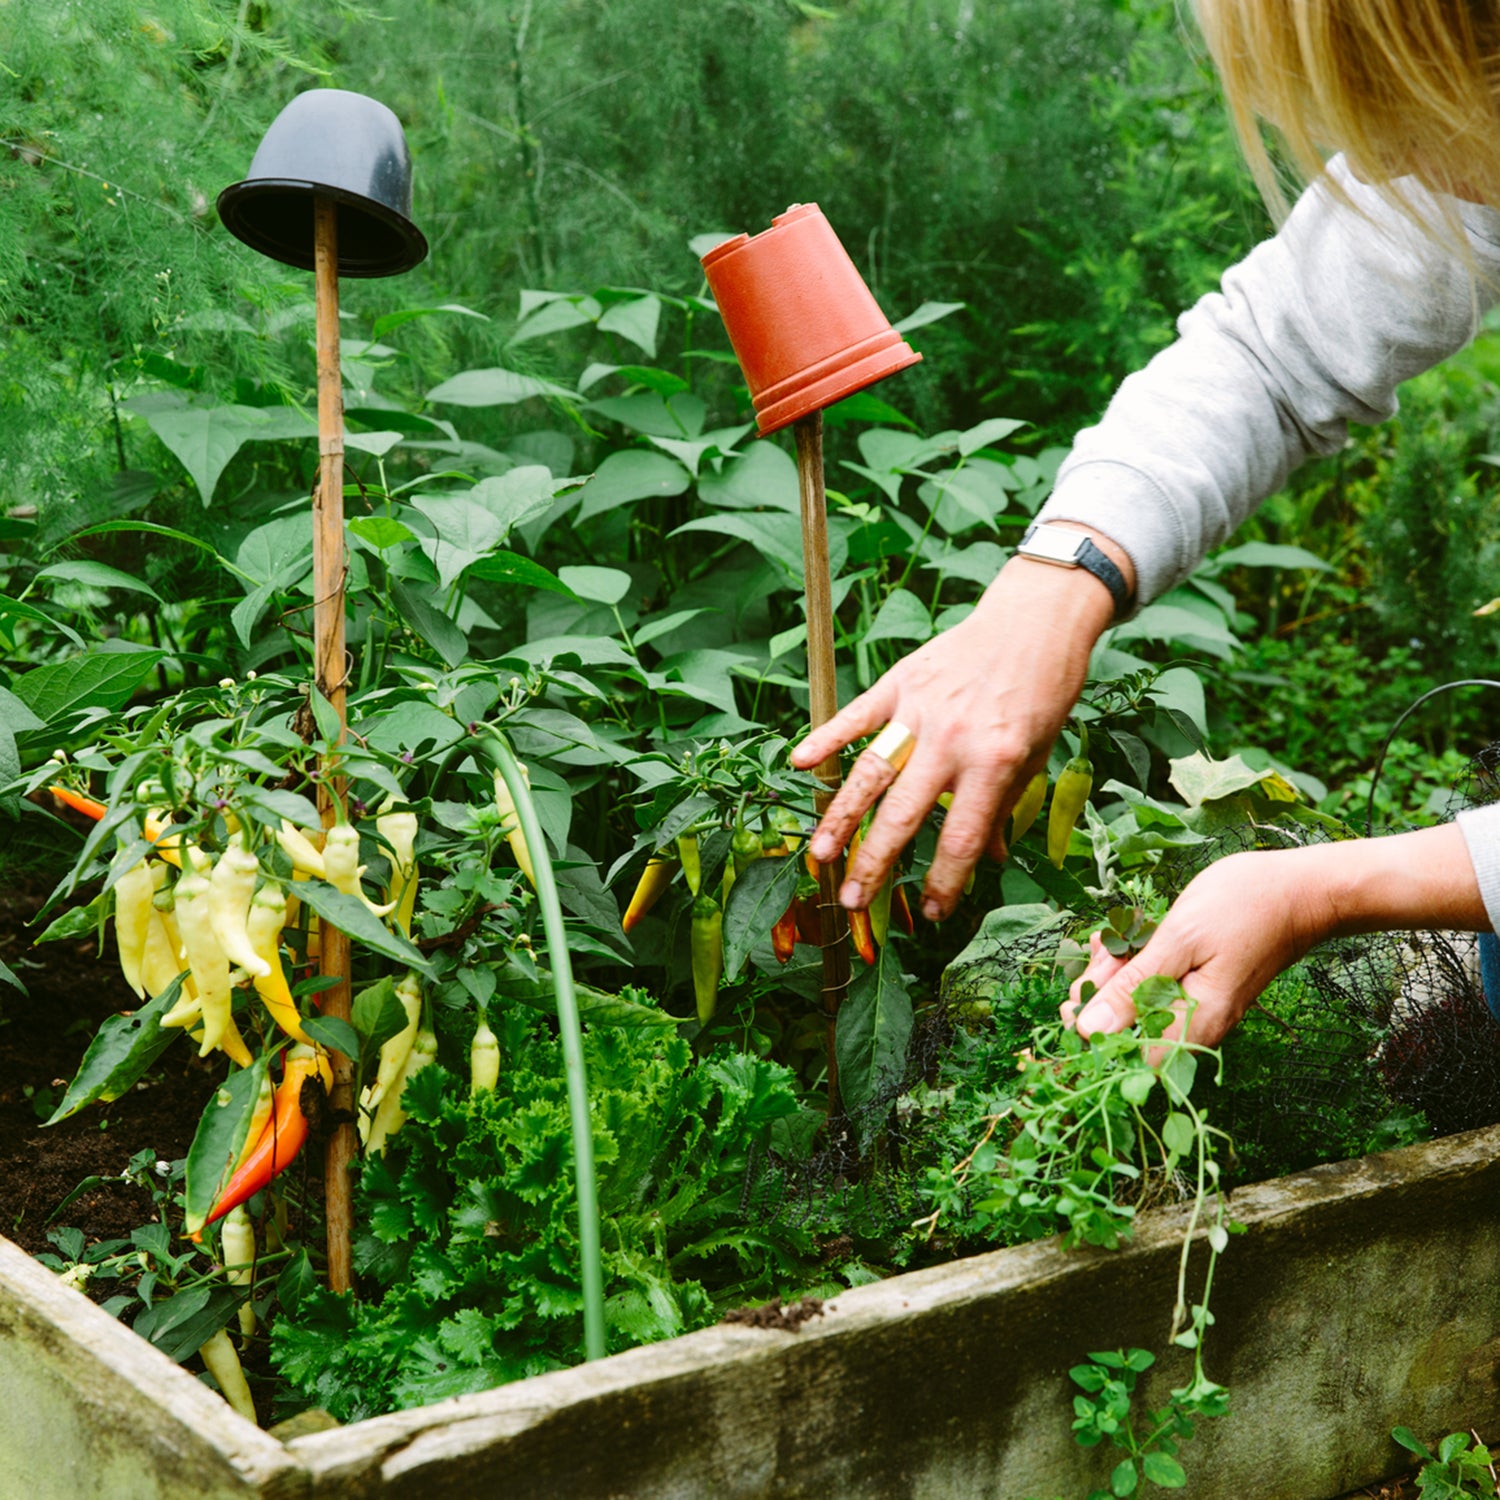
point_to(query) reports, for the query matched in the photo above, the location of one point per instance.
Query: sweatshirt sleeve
(1481, 831)
(1314, 329)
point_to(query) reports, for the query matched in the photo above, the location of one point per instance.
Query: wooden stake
(823, 685)
(330, 671)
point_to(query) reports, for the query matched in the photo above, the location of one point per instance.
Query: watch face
(1055, 544)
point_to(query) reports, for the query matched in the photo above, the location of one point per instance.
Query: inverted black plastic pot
(333, 144)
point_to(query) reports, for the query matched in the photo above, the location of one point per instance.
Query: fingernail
(852, 894)
(931, 910)
(1098, 1015)
(821, 848)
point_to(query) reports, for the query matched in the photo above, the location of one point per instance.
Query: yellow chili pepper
(484, 1059)
(133, 893)
(237, 1242)
(267, 916)
(1068, 799)
(393, 1054)
(651, 887)
(1029, 804)
(303, 853)
(510, 825)
(207, 960)
(230, 889)
(390, 1116)
(399, 830)
(220, 1360)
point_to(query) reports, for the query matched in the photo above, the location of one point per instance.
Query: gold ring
(894, 744)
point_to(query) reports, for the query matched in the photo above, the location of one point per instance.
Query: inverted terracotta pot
(804, 326)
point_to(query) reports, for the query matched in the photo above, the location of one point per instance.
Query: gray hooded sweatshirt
(1314, 329)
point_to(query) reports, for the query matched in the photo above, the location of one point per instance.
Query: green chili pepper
(692, 863)
(1024, 813)
(708, 955)
(1068, 799)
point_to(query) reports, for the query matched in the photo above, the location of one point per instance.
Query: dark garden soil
(42, 1039)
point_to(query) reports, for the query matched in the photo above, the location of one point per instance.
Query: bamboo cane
(329, 669)
(818, 587)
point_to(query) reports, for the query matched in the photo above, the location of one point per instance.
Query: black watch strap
(1091, 559)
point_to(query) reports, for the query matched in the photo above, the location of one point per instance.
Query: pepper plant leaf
(756, 903)
(124, 1047)
(217, 1142)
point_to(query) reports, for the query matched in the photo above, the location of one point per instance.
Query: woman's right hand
(985, 700)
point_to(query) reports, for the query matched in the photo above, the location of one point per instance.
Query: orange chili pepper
(283, 1137)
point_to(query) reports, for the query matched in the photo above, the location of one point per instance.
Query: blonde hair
(1404, 88)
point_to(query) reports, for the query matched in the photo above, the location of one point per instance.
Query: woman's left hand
(1237, 925)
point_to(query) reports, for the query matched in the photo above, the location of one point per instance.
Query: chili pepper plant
(598, 578)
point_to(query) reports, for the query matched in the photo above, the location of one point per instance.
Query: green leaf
(378, 1015)
(1268, 555)
(1178, 1134)
(1124, 1479)
(637, 320)
(334, 1033)
(205, 439)
(1200, 779)
(629, 475)
(350, 915)
(1163, 1469)
(179, 1325)
(511, 567)
(1181, 688)
(1410, 1441)
(992, 431)
(96, 678)
(601, 585)
(16, 716)
(381, 532)
(763, 477)
(426, 617)
(761, 894)
(297, 1279)
(519, 495)
(1135, 1087)
(217, 1142)
(122, 1049)
(324, 715)
(777, 537)
(97, 575)
(465, 533)
(597, 1007)
(903, 617)
(874, 1028)
(495, 387)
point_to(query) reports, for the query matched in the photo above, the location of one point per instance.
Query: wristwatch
(1065, 548)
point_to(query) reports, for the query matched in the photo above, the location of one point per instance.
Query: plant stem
(572, 1044)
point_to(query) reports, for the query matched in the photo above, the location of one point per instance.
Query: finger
(909, 799)
(1103, 967)
(1111, 1009)
(863, 715)
(868, 777)
(966, 831)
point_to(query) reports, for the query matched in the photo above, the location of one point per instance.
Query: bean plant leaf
(220, 1137)
(97, 575)
(756, 903)
(495, 387)
(511, 567)
(636, 319)
(874, 1027)
(903, 617)
(928, 312)
(599, 585)
(351, 915)
(424, 616)
(122, 1049)
(630, 475)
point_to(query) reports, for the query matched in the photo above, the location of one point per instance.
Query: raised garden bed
(1363, 1295)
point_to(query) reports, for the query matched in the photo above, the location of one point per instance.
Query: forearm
(1407, 882)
